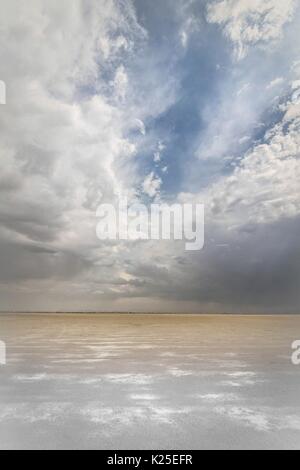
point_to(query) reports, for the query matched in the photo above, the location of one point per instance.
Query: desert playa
(102, 381)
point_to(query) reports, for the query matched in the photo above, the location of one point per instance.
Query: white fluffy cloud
(251, 22)
(264, 186)
(151, 185)
(275, 83)
(121, 82)
(65, 144)
(84, 93)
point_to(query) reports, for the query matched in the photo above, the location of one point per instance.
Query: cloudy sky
(171, 101)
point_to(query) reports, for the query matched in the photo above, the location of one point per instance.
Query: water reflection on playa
(149, 382)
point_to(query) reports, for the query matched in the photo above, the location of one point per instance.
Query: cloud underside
(93, 103)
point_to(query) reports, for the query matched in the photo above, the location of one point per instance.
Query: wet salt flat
(149, 382)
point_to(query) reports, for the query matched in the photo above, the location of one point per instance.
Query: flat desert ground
(118, 381)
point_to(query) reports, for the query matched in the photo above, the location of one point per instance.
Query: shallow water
(149, 382)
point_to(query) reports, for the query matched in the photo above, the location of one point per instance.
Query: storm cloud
(174, 101)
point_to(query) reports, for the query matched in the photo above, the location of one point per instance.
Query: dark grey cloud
(174, 102)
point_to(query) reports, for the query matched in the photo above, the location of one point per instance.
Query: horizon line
(96, 312)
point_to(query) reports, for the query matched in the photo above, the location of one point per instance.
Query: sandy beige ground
(149, 381)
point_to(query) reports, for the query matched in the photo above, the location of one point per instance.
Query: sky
(174, 102)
